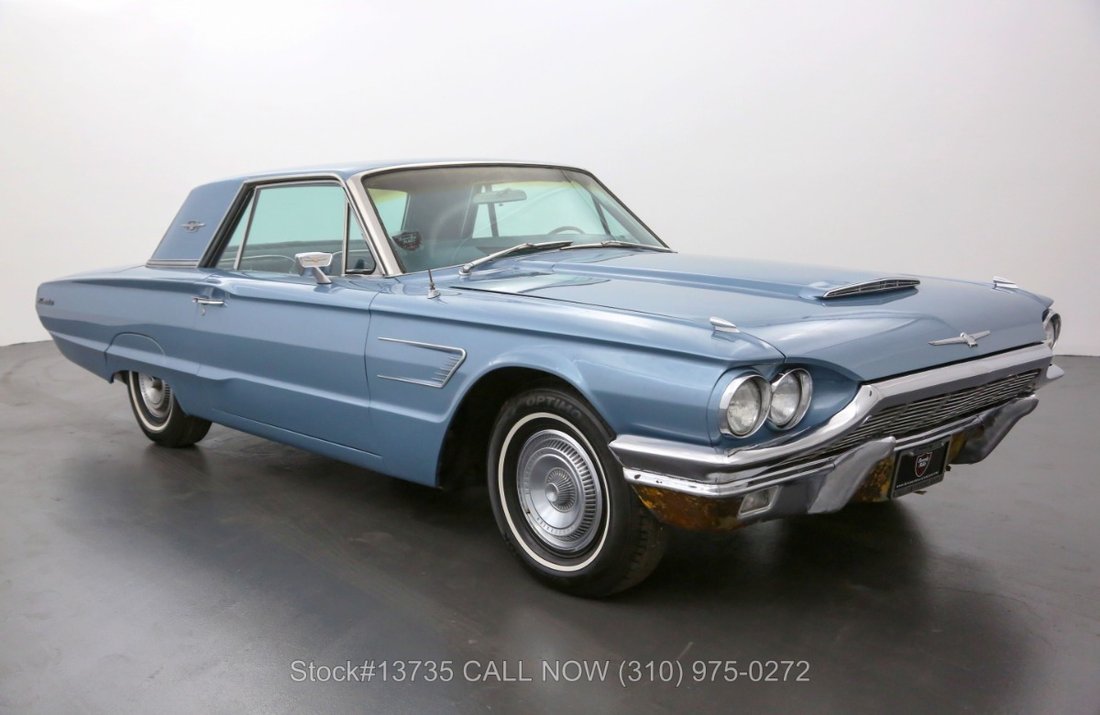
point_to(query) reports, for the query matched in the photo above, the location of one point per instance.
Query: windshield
(445, 216)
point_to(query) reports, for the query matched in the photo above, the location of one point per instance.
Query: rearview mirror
(314, 261)
(500, 196)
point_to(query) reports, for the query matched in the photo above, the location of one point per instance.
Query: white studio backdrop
(947, 137)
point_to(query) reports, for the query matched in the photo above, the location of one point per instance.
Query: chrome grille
(932, 412)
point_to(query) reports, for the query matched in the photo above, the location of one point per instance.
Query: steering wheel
(560, 229)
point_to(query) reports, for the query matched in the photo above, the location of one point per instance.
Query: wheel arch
(136, 352)
(462, 456)
(133, 352)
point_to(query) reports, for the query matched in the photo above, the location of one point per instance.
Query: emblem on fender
(970, 340)
(192, 226)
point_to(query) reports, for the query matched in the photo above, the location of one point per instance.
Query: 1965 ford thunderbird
(516, 323)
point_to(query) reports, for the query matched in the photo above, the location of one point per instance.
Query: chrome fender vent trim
(879, 285)
(424, 364)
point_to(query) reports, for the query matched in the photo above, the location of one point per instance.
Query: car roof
(208, 205)
(349, 169)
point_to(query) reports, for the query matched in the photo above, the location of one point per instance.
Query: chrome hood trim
(878, 285)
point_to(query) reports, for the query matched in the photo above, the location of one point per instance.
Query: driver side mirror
(314, 261)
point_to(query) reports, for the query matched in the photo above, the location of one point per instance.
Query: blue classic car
(445, 322)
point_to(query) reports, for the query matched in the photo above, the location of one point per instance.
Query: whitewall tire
(159, 414)
(560, 499)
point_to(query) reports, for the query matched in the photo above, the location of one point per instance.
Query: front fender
(636, 391)
(643, 375)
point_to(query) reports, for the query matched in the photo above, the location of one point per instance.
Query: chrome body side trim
(445, 373)
(707, 464)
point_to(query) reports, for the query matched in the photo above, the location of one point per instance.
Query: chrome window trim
(244, 192)
(353, 215)
(347, 230)
(253, 201)
(171, 263)
(258, 191)
(391, 265)
(709, 464)
(385, 258)
(250, 188)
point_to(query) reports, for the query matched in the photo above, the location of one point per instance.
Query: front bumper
(702, 488)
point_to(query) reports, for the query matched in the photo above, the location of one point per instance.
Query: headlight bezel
(806, 391)
(764, 388)
(1052, 326)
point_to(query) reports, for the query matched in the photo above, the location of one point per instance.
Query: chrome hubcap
(156, 395)
(559, 490)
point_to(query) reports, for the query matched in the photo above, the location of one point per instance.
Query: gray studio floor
(140, 579)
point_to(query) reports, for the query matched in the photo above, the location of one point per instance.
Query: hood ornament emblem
(192, 226)
(970, 340)
(723, 326)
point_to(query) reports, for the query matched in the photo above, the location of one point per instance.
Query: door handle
(203, 301)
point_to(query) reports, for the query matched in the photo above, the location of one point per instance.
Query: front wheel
(560, 499)
(159, 414)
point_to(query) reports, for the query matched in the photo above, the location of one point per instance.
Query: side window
(293, 219)
(228, 257)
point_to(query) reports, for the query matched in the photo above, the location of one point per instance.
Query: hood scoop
(878, 285)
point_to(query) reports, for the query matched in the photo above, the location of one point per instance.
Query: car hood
(868, 337)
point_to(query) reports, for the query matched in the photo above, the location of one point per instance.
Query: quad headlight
(745, 403)
(749, 401)
(791, 393)
(1052, 327)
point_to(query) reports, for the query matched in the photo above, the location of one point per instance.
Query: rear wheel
(560, 499)
(159, 414)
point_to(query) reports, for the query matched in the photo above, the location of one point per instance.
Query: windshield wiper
(612, 243)
(521, 248)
